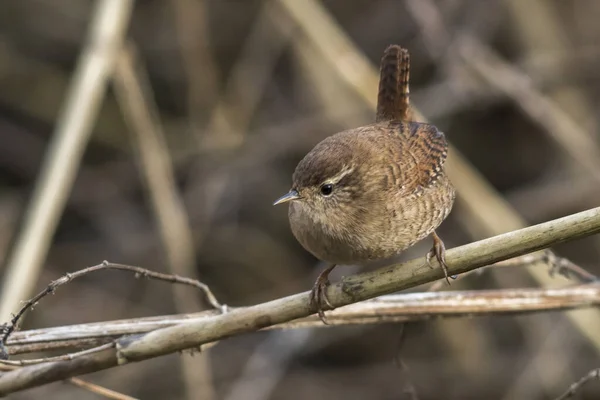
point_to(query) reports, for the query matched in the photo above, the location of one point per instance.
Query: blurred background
(196, 128)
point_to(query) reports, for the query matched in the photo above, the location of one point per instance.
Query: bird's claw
(318, 294)
(439, 251)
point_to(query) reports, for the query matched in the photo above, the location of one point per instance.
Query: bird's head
(328, 183)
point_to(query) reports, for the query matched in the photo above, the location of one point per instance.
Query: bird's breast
(383, 228)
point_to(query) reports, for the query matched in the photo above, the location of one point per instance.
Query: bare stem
(9, 328)
(575, 387)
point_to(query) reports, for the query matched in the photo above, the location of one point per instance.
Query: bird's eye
(326, 189)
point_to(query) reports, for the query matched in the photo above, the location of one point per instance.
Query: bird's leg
(439, 251)
(318, 294)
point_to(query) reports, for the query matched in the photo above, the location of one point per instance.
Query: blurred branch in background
(192, 25)
(96, 389)
(267, 39)
(156, 168)
(548, 33)
(61, 163)
(568, 134)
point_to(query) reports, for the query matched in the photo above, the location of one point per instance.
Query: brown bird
(367, 194)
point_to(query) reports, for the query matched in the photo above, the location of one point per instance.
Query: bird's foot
(318, 294)
(439, 251)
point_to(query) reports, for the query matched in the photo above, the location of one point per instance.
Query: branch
(404, 307)
(8, 329)
(96, 389)
(65, 357)
(575, 387)
(350, 290)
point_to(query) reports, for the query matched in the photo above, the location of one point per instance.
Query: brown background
(228, 173)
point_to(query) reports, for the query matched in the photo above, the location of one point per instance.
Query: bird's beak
(289, 196)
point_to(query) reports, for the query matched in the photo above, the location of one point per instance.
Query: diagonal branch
(404, 307)
(350, 290)
(576, 387)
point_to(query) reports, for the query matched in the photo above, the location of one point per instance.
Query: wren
(369, 193)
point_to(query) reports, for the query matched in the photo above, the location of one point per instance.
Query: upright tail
(393, 101)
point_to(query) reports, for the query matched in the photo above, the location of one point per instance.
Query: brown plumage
(369, 193)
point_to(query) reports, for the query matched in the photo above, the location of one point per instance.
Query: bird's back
(415, 192)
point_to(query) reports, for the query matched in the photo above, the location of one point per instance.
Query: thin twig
(99, 390)
(350, 290)
(568, 269)
(555, 264)
(575, 387)
(91, 387)
(140, 272)
(64, 357)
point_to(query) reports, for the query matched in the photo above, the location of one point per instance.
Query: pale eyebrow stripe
(338, 177)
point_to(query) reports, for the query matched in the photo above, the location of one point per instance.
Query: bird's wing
(420, 161)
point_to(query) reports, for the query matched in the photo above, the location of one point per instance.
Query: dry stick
(64, 357)
(404, 307)
(156, 167)
(575, 387)
(350, 290)
(62, 160)
(556, 265)
(91, 387)
(54, 345)
(99, 390)
(105, 265)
